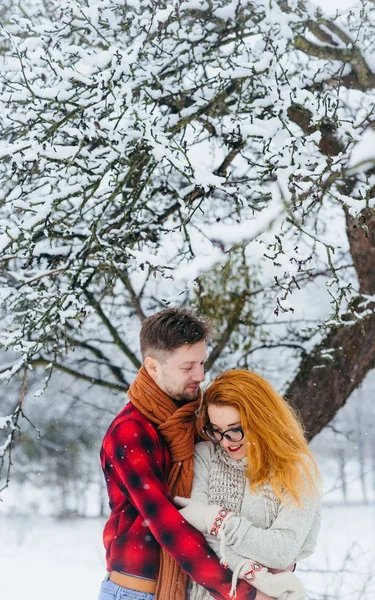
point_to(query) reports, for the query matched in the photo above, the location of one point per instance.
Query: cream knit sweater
(262, 529)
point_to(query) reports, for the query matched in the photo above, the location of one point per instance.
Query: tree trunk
(323, 385)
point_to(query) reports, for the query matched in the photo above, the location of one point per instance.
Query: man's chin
(188, 396)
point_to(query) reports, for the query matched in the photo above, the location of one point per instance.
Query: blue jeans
(112, 591)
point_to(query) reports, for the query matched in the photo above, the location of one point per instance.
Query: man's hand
(202, 516)
(272, 584)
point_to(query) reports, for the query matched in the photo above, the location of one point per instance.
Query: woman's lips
(234, 449)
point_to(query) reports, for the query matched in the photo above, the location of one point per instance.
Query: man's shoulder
(131, 422)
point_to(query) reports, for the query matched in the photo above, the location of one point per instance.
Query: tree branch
(116, 338)
(365, 78)
(338, 365)
(361, 236)
(124, 276)
(39, 362)
(225, 336)
(116, 371)
(328, 375)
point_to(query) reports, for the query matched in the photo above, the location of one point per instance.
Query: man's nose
(199, 373)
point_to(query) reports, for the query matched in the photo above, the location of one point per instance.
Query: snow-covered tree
(215, 153)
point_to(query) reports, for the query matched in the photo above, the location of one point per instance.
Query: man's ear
(151, 366)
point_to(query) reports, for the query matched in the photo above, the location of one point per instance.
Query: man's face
(180, 373)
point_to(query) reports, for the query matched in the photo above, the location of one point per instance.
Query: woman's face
(223, 418)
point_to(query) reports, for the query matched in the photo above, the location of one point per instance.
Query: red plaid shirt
(136, 463)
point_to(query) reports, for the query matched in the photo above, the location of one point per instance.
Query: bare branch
(113, 331)
(38, 362)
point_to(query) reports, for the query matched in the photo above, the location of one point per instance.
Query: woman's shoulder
(204, 450)
(308, 465)
(308, 482)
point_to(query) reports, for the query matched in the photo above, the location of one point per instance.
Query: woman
(256, 485)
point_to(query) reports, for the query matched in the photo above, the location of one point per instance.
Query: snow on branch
(144, 142)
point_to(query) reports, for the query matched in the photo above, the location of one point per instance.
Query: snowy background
(44, 557)
(44, 554)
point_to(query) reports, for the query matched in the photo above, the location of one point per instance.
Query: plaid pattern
(136, 463)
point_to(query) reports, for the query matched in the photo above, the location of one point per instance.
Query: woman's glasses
(233, 435)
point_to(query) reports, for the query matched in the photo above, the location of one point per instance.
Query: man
(147, 459)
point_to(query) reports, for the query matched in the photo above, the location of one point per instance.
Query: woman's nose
(225, 442)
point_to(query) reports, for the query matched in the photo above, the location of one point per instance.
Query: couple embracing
(224, 518)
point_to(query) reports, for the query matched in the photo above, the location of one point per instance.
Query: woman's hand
(204, 517)
(272, 584)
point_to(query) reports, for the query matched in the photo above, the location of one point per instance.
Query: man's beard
(182, 399)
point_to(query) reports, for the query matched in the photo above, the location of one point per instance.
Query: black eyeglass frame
(223, 434)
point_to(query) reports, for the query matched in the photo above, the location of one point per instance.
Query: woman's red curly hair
(278, 452)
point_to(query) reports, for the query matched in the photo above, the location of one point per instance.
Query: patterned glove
(206, 518)
(272, 584)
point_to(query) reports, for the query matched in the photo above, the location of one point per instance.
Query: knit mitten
(204, 517)
(272, 584)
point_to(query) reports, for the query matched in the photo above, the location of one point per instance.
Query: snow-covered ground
(343, 565)
(42, 558)
(45, 559)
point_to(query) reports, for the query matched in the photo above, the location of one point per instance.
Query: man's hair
(171, 328)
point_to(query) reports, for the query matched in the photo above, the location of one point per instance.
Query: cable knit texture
(177, 427)
(227, 485)
(227, 481)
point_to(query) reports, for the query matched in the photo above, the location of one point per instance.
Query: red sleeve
(134, 457)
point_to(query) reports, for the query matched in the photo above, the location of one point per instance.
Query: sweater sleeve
(202, 461)
(134, 459)
(284, 542)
